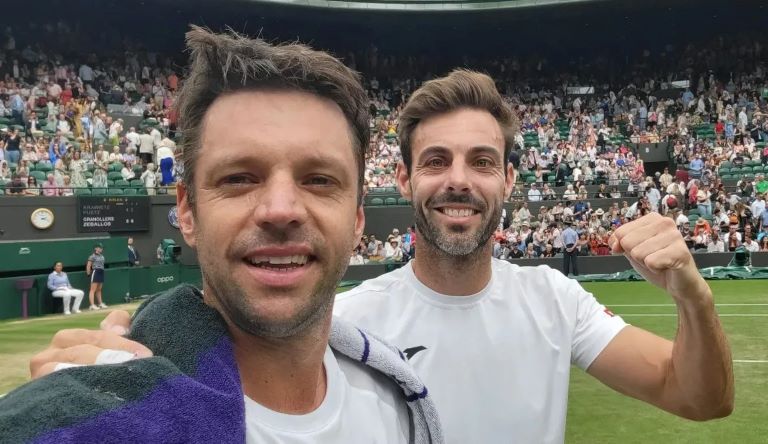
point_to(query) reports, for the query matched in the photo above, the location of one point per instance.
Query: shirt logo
(609, 312)
(411, 352)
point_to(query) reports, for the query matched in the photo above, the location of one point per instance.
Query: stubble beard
(233, 300)
(458, 242)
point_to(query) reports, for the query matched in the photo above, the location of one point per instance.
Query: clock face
(42, 218)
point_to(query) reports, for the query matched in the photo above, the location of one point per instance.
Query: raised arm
(691, 377)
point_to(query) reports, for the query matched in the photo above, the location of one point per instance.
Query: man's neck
(284, 375)
(453, 275)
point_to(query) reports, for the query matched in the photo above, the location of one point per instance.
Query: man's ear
(403, 179)
(509, 181)
(359, 225)
(186, 215)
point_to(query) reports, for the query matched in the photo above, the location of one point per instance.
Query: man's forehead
(459, 129)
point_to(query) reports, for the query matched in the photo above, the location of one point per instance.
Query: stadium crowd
(575, 151)
(58, 134)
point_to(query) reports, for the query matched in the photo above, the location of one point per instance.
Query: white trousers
(67, 295)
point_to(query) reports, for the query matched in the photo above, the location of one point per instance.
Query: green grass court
(596, 414)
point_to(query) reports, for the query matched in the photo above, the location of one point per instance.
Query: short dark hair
(224, 63)
(460, 89)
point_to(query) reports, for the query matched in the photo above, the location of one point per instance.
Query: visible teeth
(455, 212)
(279, 260)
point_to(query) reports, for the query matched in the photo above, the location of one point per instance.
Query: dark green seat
(402, 201)
(114, 175)
(44, 166)
(130, 191)
(377, 201)
(122, 184)
(137, 183)
(115, 191)
(390, 201)
(98, 191)
(82, 192)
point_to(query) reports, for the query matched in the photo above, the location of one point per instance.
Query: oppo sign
(165, 279)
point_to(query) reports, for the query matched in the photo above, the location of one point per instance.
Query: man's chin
(280, 318)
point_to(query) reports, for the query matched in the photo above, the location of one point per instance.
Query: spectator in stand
(534, 195)
(761, 185)
(732, 239)
(133, 139)
(150, 179)
(147, 147)
(5, 171)
(50, 187)
(393, 251)
(100, 134)
(715, 243)
(32, 188)
(13, 146)
(751, 245)
(66, 188)
(58, 283)
(356, 258)
(115, 128)
(99, 179)
(115, 156)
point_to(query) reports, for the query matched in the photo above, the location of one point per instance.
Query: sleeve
(595, 327)
(50, 282)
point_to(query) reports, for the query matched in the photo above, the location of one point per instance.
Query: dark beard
(458, 243)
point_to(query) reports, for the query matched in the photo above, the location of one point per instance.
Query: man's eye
(318, 180)
(238, 180)
(436, 162)
(483, 163)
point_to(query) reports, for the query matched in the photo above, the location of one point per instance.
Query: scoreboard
(99, 214)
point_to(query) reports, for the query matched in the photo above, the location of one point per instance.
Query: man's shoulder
(372, 289)
(541, 281)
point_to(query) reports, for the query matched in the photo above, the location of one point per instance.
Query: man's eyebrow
(433, 150)
(486, 149)
(479, 149)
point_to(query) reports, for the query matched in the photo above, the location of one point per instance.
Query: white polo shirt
(497, 363)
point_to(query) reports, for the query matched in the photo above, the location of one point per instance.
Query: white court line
(751, 361)
(673, 305)
(740, 315)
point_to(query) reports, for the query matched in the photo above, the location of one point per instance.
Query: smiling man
(268, 202)
(495, 341)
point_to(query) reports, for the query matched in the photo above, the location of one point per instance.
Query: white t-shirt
(360, 405)
(497, 363)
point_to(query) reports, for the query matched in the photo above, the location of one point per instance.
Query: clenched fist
(656, 250)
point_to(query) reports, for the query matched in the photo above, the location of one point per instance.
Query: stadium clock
(42, 218)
